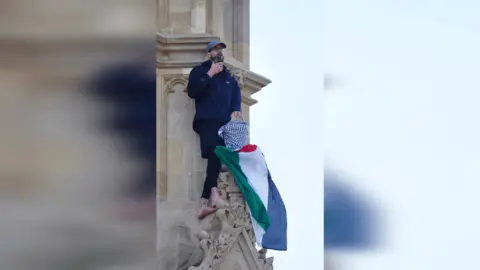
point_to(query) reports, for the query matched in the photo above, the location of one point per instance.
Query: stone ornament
(225, 227)
(239, 75)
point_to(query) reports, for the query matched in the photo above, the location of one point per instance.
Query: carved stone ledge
(165, 63)
(239, 75)
(248, 79)
(181, 51)
(249, 82)
(226, 229)
(255, 82)
(185, 42)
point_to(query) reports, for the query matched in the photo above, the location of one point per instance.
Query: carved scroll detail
(239, 75)
(217, 242)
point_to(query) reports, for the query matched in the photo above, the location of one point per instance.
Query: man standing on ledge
(217, 99)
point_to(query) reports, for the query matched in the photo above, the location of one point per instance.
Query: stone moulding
(249, 82)
(166, 44)
(169, 81)
(171, 42)
(171, 47)
(230, 226)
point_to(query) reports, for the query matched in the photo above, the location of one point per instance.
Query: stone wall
(224, 240)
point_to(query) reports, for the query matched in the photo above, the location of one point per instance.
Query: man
(217, 99)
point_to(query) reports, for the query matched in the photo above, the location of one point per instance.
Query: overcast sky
(402, 121)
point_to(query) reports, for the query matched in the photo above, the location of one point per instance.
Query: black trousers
(209, 139)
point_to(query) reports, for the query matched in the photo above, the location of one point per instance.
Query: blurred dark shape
(329, 82)
(333, 82)
(348, 218)
(130, 89)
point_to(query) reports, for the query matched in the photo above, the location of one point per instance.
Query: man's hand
(215, 69)
(236, 115)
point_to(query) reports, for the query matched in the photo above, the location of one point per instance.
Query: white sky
(403, 122)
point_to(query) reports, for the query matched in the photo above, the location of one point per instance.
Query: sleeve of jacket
(198, 82)
(237, 98)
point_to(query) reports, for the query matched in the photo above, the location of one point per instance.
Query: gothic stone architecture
(223, 241)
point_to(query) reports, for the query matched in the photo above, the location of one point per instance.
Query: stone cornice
(171, 50)
(249, 81)
(183, 43)
(163, 63)
(172, 47)
(190, 38)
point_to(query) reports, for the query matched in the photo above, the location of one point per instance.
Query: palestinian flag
(269, 216)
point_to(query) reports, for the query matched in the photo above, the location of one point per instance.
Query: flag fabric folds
(268, 212)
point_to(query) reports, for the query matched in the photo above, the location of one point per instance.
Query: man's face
(216, 54)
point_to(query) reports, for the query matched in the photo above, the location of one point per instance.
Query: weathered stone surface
(228, 240)
(177, 226)
(224, 240)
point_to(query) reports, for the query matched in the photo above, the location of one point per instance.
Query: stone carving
(239, 75)
(170, 82)
(179, 246)
(222, 231)
(267, 263)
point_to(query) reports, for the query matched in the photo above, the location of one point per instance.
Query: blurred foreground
(66, 178)
(351, 221)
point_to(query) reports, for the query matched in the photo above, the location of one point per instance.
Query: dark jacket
(215, 98)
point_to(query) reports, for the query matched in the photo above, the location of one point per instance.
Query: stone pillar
(185, 28)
